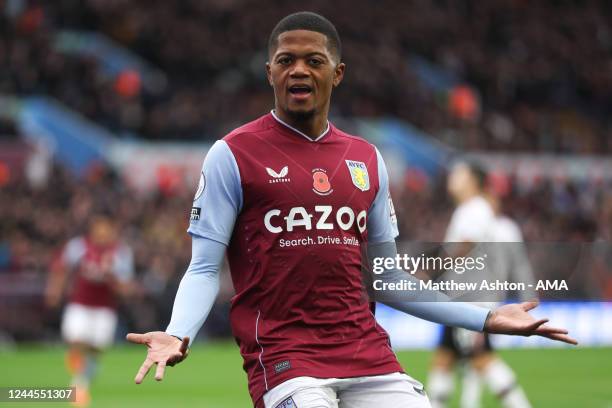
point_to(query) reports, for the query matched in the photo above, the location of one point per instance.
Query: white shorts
(94, 326)
(380, 391)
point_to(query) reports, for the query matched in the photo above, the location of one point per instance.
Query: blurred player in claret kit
(478, 219)
(97, 267)
(291, 199)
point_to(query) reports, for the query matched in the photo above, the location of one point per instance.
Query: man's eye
(315, 62)
(284, 60)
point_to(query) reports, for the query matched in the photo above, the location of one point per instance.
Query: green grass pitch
(212, 377)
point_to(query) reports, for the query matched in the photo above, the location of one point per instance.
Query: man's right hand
(163, 350)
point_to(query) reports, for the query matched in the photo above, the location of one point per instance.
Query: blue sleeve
(455, 314)
(198, 288)
(382, 222)
(218, 199)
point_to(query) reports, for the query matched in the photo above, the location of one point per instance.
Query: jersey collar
(321, 136)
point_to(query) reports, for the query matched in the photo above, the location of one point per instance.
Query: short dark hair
(306, 20)
(478, 172)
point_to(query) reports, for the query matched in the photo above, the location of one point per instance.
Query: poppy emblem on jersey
(201, 186)
(320, 182)
(359, 174)
(280, 177)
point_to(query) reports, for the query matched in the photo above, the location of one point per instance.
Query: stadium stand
(506, 83)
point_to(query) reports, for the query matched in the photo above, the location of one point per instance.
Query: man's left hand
(515, 319)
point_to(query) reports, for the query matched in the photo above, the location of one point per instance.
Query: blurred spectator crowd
(526, 75)
(38, 220)
(546, 210)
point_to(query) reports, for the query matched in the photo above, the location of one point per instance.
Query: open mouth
(300, 90)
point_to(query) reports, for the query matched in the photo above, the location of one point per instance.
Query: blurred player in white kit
(477, 219)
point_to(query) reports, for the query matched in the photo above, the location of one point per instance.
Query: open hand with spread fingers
(515, 319)
(163, 350)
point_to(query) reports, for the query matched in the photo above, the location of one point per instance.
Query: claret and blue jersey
(293, 213)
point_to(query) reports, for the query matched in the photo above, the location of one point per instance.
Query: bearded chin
(301, 116)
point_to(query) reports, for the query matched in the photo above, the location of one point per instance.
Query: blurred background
(114, 103)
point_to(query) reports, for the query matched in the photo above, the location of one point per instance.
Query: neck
(468, 195)
(311, 126)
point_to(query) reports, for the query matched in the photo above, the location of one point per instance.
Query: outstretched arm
(194, 299)
(216, 205)
(437, 307)
(198, 288)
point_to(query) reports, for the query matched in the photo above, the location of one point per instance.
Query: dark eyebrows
(310, 54)
(317, 54)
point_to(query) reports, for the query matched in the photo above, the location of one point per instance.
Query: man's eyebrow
(316, 53)
(292, 54)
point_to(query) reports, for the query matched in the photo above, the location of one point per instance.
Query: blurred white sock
(440, 387)
(501, 380)
(471, 389)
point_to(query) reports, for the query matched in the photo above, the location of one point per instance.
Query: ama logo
(320, 182)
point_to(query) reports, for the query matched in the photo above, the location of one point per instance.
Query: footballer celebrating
(292, 199)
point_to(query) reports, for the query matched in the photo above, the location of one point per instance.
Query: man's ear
(269, 73)
(339, 73)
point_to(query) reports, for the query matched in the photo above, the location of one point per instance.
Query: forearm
(55, 285)
(425, 304)
(198, 289)
(455, 314)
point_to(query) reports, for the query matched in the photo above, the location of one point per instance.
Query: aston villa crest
(359, 174)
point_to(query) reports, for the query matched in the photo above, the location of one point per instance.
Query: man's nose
(299, 69)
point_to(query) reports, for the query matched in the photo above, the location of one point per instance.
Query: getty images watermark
(492, 271)
(413, 264)
(457, 265)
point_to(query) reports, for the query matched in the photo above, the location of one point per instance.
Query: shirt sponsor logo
(280, 177)
(282, 366)
(359, 174)
(195, 214)
(299, 217)
(201, 186)
(320, 182)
